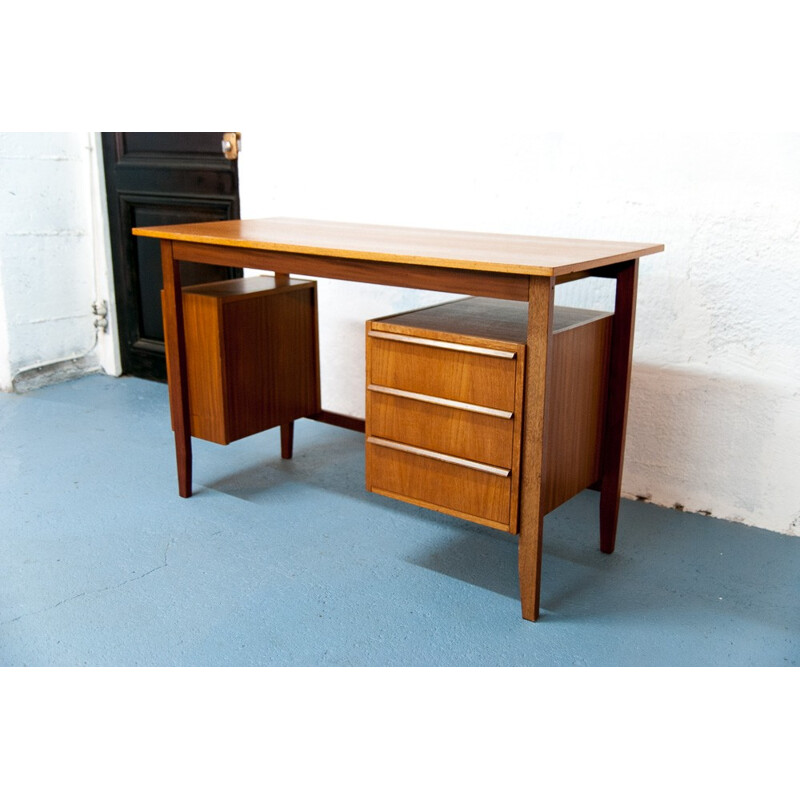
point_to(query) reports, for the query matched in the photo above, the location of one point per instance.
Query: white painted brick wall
(47, 260)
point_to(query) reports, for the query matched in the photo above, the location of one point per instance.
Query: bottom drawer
(423, 479)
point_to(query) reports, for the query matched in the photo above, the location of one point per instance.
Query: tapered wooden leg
(287, 429)
(176, 367)
(287, 439)
(617, 405)
(537, 368)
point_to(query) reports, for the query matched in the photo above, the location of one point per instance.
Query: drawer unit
(252, 358)
(444, 407)
(443, 414)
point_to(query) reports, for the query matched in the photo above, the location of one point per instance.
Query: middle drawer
(475, 433)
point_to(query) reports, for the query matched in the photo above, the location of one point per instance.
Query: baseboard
(35, 378)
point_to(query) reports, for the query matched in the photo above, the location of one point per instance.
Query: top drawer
(466, 373)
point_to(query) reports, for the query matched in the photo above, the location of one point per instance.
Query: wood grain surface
(508, 253)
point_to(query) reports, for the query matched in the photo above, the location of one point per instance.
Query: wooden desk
(485, 265)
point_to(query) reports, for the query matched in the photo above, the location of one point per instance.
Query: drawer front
(455, 374)
(449, 487)
(427, 423)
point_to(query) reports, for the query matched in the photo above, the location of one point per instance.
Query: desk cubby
(252, 360)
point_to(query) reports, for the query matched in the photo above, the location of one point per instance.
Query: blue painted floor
(290, 563)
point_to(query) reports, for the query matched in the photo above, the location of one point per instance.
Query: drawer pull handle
(462, 348)
(442, 401)
(418, 451)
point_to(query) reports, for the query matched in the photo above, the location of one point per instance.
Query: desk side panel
(205, 368)
(579, 381)
(271, 360)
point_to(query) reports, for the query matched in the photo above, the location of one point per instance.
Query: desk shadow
(667, 564)
(329, 459)
(487, 558)
(472, 554)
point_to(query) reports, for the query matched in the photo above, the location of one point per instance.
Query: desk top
(525, 255)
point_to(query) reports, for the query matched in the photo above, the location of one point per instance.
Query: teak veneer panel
(577, 411)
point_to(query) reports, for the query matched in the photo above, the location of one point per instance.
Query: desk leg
(176, 367)
(619, 373)
(537, 369)
(287, 439)
(287, 428)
